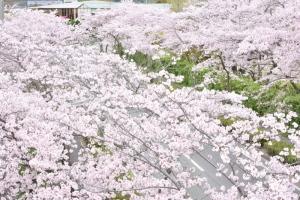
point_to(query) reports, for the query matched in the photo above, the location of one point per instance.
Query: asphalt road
(205, 163)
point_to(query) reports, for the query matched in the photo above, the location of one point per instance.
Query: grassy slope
(279, 97)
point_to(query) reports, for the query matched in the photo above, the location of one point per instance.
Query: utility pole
(1, 10)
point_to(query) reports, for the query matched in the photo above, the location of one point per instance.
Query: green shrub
(226, 121)
(182, 67)
(267, 101)
(241, 85)
(22, 168)
(21, 195)
(277, 147)
(281, 96)
(294, 102)
(73, 22)
(31, 151)
(120, 196)
(125, 176)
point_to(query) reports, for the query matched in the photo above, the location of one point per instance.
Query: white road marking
(194, 162)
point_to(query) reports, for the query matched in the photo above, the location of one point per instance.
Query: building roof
(94, 5)
(62, 5)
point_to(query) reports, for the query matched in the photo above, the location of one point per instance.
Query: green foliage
(120, 196)
(277, 147)
(128, 176)
(281, 96)
(294, 102)
(267, 101)
(22, 168)
(97, 147)
(241, 85)
(101, 148)
(193, 55)
(73, 22)
(146, 61)
(123, 176)
(182, 67)
(21, 195)
(226, 121)
(32, 151)
(178, 5)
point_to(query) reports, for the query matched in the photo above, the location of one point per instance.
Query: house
(73, 9)
(68, 10)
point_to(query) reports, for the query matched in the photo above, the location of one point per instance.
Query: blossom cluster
(77, 123)
(260, 37)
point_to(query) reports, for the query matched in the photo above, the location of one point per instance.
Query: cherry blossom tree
(260, 37)
(79, 123)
